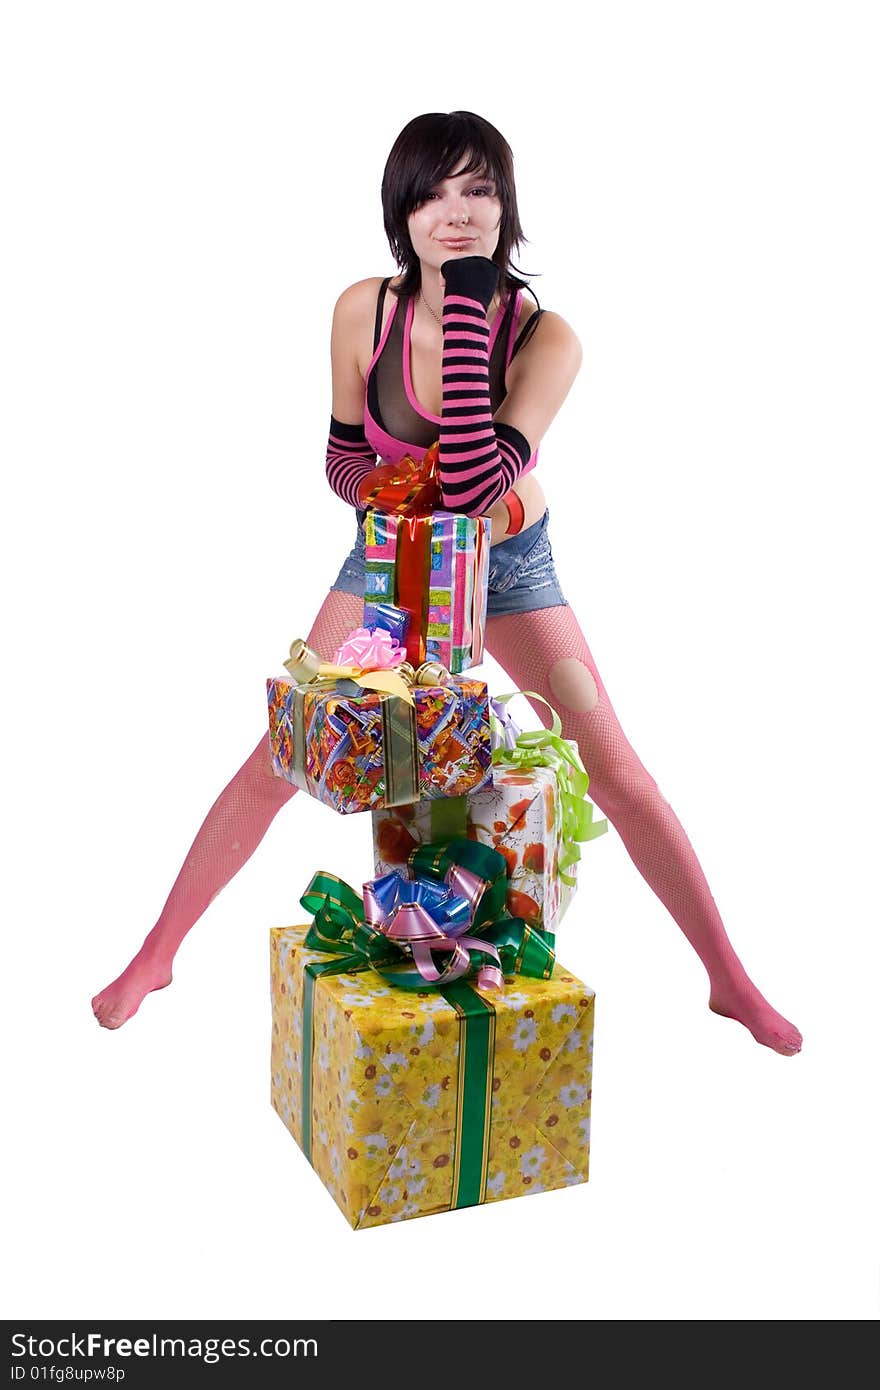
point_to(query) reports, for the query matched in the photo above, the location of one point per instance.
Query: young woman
(449, 350)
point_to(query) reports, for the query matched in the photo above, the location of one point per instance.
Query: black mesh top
(389, 401)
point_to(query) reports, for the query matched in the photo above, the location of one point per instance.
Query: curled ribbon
(408, 487)
(547, 748)
(305, 666)
(425, 916)
(452, 890)
(391, 619)
(503, 728)
(370, 649)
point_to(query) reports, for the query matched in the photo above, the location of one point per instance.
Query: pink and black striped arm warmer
(480, 459)
(349, 459)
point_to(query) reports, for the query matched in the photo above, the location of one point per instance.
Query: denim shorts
(522, 576)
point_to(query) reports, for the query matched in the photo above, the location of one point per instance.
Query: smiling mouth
(458, 241)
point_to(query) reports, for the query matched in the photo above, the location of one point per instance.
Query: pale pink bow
(372, 649)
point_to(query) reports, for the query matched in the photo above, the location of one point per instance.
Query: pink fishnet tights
(528, 646)
(229, 834)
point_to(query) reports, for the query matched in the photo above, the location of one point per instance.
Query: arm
(481, 459)
(349, 456)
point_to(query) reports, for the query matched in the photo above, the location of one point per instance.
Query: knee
(573, 685)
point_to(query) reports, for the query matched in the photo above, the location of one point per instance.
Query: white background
(188, 188)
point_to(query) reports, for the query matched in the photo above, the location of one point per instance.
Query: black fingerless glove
(474, 276)
(349, 459)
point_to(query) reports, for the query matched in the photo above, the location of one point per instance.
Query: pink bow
(373, 649)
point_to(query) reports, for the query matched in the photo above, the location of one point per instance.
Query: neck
(433, 288)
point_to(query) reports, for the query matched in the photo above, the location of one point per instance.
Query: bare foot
(120, 1000)
(749, 1007)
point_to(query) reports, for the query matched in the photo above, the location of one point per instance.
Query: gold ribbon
(399, 734)
(305, 666)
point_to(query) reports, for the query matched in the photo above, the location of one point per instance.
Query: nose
(458, 214)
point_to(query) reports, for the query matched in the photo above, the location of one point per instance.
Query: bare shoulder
(354, 315)
(358, 299)
(551, 346)
(555, 332)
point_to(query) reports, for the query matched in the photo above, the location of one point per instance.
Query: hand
(475, 276)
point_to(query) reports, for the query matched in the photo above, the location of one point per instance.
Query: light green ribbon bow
(547, 748)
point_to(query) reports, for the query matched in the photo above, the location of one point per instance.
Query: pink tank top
(394, 422)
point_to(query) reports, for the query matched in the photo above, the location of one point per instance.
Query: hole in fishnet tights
(527, 645)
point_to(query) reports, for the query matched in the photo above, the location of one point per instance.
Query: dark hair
(424, 153)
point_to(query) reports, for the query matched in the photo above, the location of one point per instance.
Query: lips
(458, 242)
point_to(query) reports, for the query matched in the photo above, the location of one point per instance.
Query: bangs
(432, 146)
(445, 161)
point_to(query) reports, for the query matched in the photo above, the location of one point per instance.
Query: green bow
(339, 926)
(547, 748)
(339, 929)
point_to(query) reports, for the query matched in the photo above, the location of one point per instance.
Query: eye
(487, 192)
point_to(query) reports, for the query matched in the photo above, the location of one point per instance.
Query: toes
(102, 1007)
(791, 1039)
(108, 1015)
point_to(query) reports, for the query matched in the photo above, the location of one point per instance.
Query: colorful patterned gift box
(411, 1103)
(357, 750)
(519, 816)
(435, 569)
(426, 563)
(535, 814)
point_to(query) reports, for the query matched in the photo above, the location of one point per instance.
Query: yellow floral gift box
(409, 1102)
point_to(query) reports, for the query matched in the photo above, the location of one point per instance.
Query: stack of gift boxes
(428, 1050)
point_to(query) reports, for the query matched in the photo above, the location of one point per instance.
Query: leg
(231, 831)
(545, 651)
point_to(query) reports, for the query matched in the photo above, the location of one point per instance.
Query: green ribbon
(524, 950)
(399, 738)
(399, 743)
(473, 1102)
(313, 972)
(448, 818)
(339, 926)
(476, 1068)
(547, 748)
(339, 929)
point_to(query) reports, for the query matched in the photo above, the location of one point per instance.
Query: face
(460, 217)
